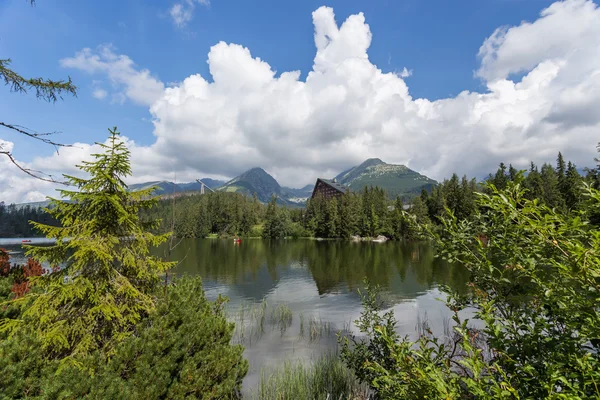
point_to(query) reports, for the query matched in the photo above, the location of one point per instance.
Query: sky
(306, 89)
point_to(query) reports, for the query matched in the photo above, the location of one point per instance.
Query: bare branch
(36, 135)
(31, 172)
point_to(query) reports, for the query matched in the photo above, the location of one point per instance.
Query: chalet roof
(337, 186)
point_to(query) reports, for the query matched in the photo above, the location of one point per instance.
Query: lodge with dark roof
(328, 189)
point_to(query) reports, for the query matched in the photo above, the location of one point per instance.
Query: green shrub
(535, 286)
(182, 350)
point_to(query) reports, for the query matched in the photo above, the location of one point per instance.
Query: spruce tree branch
(46, 89)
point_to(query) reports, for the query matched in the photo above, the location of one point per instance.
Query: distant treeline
(14, 220)
(367, 213)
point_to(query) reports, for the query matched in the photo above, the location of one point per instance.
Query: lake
(318, 282)
(289, 298)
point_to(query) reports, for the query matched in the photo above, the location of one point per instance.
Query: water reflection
(255, 267)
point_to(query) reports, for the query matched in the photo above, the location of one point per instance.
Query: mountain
(397, 180)
(33, 204)
(165, 187)
(298, 196)
(255, 181)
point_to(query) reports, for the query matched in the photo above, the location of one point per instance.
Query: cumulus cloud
(347, 109)
(138, 85)
(182, 12)
(542, 93)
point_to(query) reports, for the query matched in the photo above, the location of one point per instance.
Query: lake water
(317, 283)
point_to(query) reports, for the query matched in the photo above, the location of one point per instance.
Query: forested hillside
(14, 220)
(366, 213)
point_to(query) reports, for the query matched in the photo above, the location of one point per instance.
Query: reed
(249, 319)
(281, 316)
(326, 378)
(317, 328)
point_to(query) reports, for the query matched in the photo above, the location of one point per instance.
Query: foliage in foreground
(535, 289)
(104, 286)
(101, 325)
(182, 350)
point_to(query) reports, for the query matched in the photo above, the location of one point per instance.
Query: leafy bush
(535, 286)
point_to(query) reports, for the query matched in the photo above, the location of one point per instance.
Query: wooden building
(328, 189)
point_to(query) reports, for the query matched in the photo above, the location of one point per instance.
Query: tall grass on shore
(327, 378)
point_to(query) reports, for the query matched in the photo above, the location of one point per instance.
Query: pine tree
(467, 205)
(420, 211)
(551, 193)
(315, 216)
(512, 173)
(561, 173)
(500, 180)
(573, 187)
(277, 221)
(593, 174)
(183, 350)
(106, 284)
(270, 226)
(453, 194)
(332, 220)
(534, 184)
(399, 224)
(561, 168)
(350, 215)
(436, 204)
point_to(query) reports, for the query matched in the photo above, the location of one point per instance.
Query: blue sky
(437, 41)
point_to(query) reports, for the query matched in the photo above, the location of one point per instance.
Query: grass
(250, 319)
(327, 378)
(281, 316)
(314, 328)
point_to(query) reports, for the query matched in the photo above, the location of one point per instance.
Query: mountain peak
(254, 181)
(256, 170)
(372, 161)
(395, 179)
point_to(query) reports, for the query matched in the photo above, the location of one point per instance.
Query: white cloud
(136, 84)
(405, 73)
(182, 12)
(347, 109)
(99, 93)
(16, 186)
